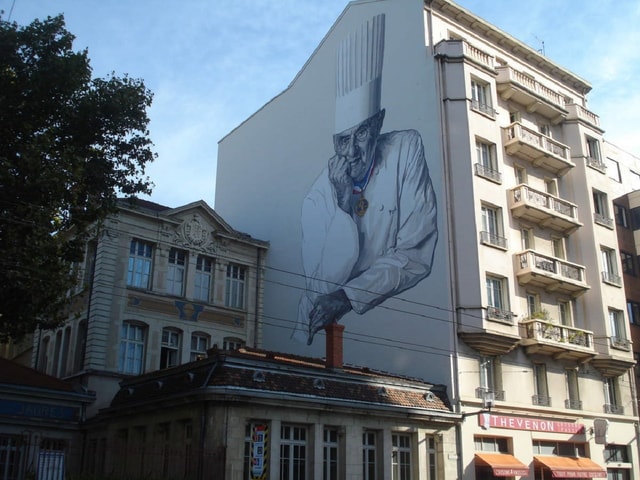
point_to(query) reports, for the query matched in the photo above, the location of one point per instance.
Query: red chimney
(334, 345)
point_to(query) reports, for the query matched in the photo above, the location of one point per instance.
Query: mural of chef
(369, 221)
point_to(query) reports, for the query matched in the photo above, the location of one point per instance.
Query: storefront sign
(38, 410)
(488, 420)
(259, 451)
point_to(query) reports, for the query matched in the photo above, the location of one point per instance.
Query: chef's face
(357, 144)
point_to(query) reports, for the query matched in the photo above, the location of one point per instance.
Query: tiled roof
(259, 372)
(12, 373)
(139, 203)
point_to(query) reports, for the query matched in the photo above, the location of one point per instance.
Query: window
(610, 267)
(526, 236)
(43, 358)
(616, 453)
(139, 269)
(515, 116)
(490, 378)
(175, 273)
(80, 346)
(497, 296)
(533, 304)
(199, 346)
(611, 396)
(401, 456)
(491, 444)
(234, 294)
(492, 231)
(131, 355)
(545, 129)
(628, 263)
(633, 310)
(551, 186)
(618, 330)
(521, 174)
(573, 394)
(232, 343)
(11, 456)
(486, 162)
(593, 149)
(613, 169)
(541, 390)
(293, 452)
(203, 278)
(369, 456)
(557, 244)
(330, 454)
(635, 180)
(564, 312)
(601, 209)
(432, 465)
(481, 97)
(621, 215)
(561, 449)
(170, 348)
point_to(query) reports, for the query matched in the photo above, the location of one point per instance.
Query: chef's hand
(327, 309)
(341, 181)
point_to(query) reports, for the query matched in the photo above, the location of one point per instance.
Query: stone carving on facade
(195, 234)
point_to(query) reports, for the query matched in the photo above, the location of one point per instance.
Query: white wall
(267, 165)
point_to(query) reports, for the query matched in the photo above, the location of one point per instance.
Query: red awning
(502, 464)
(570, 467)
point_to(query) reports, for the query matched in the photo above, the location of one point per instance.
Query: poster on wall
(369, 221)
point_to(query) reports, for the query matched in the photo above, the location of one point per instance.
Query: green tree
(70, 145)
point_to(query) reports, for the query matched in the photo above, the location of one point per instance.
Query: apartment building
(495, 269)
(159, 286)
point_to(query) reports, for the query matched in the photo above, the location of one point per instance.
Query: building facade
(476, 247)
(158, 288)
(250, 414)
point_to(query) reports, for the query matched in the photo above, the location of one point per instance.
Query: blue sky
(212, 63)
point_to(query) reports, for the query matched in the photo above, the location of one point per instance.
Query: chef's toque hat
(358, 74)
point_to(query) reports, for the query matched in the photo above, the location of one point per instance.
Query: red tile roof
(12, 373)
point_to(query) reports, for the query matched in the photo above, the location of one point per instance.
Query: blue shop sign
(38, 410)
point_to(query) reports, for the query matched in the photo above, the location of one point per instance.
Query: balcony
(552, 274)
(489, 173)
(493, 240)
(612, 279)
(603, 220)
(544, 209)
(578, 112)
(534, 147)
(596, 164)
(558, 341)
(541, 400)
(524, 89)
(462, 49)
(620, 343)
(499, 315)
(481, 392)
(573, 404)
(614, 409)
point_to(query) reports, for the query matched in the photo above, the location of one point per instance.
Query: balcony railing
(596, 163)
(542, 400)
(526, 90)
(497, 314)
(543, 330)
(481, 392)
(543, 151)
(550, 273)
(578, 112)
(544, 208)
(488, 173)
(493, 240)
(460, 48)
(620, 343)
(483, 108)
(573, 404)
(614, 409)
(603, 220)
(612, 278)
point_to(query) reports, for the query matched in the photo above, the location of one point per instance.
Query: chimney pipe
(334, 345)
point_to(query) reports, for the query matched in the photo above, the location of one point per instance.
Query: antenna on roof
(541, 50)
